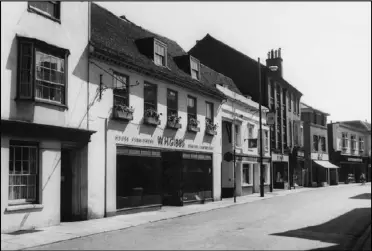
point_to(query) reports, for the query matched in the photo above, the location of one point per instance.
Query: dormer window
(195, 68)
(160, 52)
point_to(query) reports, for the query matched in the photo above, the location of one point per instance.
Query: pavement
(83, 234)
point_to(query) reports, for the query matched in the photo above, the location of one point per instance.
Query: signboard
(270, 118)
(319, 156)
(354, 160)
(279, 157)
(300, 154)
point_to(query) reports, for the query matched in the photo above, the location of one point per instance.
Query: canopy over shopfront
(325, 164)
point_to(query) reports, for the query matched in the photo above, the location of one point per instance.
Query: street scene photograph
(134, 125)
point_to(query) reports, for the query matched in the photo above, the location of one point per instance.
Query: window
(172, 103)
(209, 112)
(266, 140)
(250, 131)
(323, 144)
(247, 173)
(322, 120)
(290, 133)
(314, 118)
(315, 143)
(195, 68)
(301, 135)
(272, 94)
(238, 141)
(47, 8)
(289, 102)
(345, 139)
(160, 53)
(361, 144)
(278, 96)
(353, 142)
(150, 96)
(23, 172)
(41, 71)
(294, 105)
(121, 89)
(191, 107)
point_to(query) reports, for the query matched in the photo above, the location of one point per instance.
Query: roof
(233, 63)
(306, 108)
(362, 125)
(116, 38)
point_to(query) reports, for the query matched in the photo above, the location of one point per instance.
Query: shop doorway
(280, 172)
(66, 185)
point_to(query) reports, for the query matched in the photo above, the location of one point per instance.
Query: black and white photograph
(185, 125)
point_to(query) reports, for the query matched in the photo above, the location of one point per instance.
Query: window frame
(30, 145)
(117, 92)
(361, 144)
(164, 46)
(238, 135)
(211, 120)
(43, 47)
(197, 62)
(170, 110)
(144, 95)
(353, 142)
(189, 114)
(246, 166)
(323, 144)
(266, 142)
(316, 143)
(344, 140)
(36, 10)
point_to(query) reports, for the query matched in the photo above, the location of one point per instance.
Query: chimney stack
(275, 59)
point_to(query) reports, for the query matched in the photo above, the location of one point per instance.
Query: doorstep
(73, 230)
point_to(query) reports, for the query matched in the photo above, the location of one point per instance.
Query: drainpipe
(88, 64)
(105, 176)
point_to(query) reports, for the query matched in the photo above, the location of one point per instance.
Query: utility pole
(260, 111)
(234, 143)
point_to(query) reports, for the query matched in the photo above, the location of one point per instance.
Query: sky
(326, 46)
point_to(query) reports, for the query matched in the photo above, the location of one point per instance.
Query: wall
(50, 180)
(122, 133)
(72, 34)
(337, 140)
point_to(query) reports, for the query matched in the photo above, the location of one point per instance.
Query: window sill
(41, 101)
(38, 12)
(15, 208)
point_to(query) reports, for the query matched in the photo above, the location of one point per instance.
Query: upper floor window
(314, 118)
(121, 89)
(209, 112)
(160, 53)
(361, 144)
(150, 96)
(353, 142)
(172, 103)
(266, 136)
(289, 102)
(47, 8)
(250, 131)
(315, 142)
(42, 71)
(345, 140)
(323, 144)
(23, 172)
(294, 105)
(238, 141)
(191, 107)
(195, 68)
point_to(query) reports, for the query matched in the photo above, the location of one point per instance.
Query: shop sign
(167, 141)
(270, 118)
(279, 157)
(354, 160)
(300, 154)
(319, 156)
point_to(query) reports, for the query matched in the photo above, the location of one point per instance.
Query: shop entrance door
(66, 185)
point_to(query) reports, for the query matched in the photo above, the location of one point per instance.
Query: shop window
(41, 71)
(160, 52)
(23, 173)
(150, 96)
(315, 143)
(50, 9)
(238, 141)
(247, 169)
(195, 68)
(172, 103)
(121, 89)
(266, 174)
(191, 108)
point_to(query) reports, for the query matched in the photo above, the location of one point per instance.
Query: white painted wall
(337, 140)
(102, 109)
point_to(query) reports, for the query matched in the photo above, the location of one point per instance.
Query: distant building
(350, 149)
(277, 95)
(318, 170)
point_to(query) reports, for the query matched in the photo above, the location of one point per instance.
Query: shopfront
(351, 167)
(299, 172)
(152, 171)
(323, 172)
(280, 164)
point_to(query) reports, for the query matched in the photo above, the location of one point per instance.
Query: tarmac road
(324, 219)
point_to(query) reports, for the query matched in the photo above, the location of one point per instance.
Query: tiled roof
(116, 38)
(358, 124)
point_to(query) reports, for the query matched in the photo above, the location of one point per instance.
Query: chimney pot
(279, 53)
(272, 53)
(276, 53)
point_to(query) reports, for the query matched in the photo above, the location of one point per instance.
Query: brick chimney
(274, 58)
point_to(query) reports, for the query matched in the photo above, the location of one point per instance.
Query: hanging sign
(270, 118)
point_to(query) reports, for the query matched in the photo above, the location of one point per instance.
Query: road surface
(324, 219)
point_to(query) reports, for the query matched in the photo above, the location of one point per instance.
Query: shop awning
(325, 164)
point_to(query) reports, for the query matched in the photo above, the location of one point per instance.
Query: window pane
(11, 193)
(47, 7)
(172, 100)
(190, 102)
(209, 111)
(150, 93)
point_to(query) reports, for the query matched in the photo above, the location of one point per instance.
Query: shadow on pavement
(342, 231)
(365, 196)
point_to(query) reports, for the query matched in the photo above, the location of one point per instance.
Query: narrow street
(324, 219)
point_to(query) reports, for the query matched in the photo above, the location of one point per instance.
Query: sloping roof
(358, 124)
(116, 38)
(306, 108)
(232, 63)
